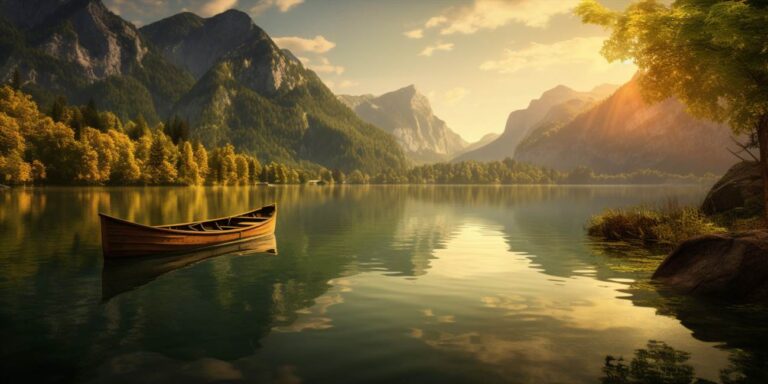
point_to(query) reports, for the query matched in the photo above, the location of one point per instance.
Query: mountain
(485, 140)
(624, 133)
(407, 115)
(521, 122)
(261, 99)
(79, 49)
(196, 44)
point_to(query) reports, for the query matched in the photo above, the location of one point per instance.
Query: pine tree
(16, 82)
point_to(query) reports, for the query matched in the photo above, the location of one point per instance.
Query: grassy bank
(663, 227)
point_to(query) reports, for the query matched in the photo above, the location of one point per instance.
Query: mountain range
(609, 129)
(407, 114)
(233, 84)
(539, 112)
(624, 133)
(223, 74)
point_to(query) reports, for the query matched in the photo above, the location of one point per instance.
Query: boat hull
(122, 239)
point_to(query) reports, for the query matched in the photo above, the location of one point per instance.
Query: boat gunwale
(212, 232)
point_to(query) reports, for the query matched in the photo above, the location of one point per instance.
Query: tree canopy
(710, 54)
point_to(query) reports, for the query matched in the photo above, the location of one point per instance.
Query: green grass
(665, 226)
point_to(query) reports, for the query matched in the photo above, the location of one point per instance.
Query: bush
(666, 226)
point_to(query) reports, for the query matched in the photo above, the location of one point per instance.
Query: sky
(476, 60)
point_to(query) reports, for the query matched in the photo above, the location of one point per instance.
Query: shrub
(666, 226)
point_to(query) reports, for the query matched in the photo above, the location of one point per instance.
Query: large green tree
(711, 54)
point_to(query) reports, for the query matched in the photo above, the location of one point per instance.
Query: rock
(733, 266)
(740, 189)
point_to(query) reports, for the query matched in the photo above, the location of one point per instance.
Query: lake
(369, 284)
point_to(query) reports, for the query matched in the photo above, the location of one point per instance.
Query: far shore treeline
(80, 145)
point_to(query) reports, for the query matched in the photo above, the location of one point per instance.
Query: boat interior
(225, 224)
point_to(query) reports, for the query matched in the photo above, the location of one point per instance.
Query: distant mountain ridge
(408, 115)
(223, 74)
(624, 133)
(521, 122)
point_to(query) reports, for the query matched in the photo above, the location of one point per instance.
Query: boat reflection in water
(121, 275)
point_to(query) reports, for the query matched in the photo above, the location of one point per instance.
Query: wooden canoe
(122, 238)
(122, 275)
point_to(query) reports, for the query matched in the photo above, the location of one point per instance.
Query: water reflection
(439, 283)
(118, 276)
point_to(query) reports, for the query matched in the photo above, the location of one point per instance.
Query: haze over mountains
(224, 74)
(624, 133)
(407, 114)
(523, 121)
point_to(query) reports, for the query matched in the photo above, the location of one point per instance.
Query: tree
(201, 158)
(16, 82)
(338, 176)
(177, 129)
(125, 169)
(159, 166)
(709, 54)
(241, 165)
(189, 173)
(92, 118)
(58, 109)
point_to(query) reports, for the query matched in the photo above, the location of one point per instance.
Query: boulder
(739, 191)
(733, 266)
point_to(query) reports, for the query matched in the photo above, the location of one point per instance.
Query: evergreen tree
(201, 159)
(189, 173)
(16, 82)
(58, 109)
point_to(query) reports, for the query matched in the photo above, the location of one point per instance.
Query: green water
(369, 284)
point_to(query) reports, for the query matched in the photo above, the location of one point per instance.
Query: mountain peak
(407, 114)
(407, 91)
(233, 15)
(557, 92)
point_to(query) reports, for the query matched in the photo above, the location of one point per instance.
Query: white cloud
(282, 5)
(454, 95)
(214, 7)
(321, 65)
(428, 50)
(325, 66)
(576, 51)
(318, 44)
(414, 34)
(492, 14)
(435, 21)
(348, 84)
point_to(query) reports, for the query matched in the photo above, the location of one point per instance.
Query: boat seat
(248, 223)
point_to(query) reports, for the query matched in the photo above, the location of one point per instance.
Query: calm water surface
(369, 284)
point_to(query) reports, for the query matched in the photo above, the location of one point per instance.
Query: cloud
(348, 84)
(428, 50)
(321, 65)
(435, 21)
(414, 34)
(454, 95)
(576, 51)
(318, 44)
(324, 66)
(214, 7)
(492, 14)
(282, 5)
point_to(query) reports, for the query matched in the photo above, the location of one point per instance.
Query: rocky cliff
(407, 114)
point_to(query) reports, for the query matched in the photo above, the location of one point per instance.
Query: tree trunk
(762, 140)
